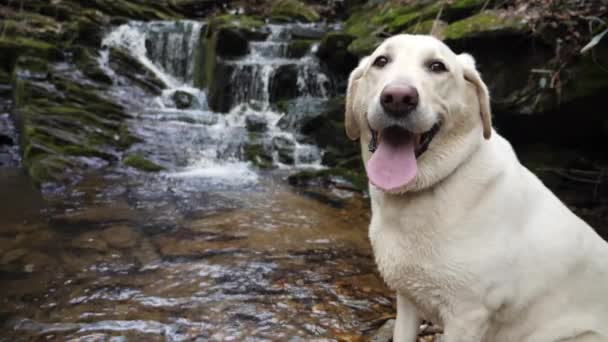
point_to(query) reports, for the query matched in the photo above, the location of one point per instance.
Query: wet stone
(120, 237)
(256, 123)
(182, 99)
(90, 240)
(385, 333)
(13, 255)
(286, 149)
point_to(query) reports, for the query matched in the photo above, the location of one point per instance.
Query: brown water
(119, 256)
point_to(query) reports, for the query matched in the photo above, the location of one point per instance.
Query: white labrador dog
(467, 236)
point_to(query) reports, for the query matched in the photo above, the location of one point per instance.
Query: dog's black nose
(399, 99)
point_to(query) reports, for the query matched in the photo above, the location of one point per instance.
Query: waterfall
(255, 72)
(193, 141)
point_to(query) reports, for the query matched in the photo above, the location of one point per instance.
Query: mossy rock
(333, 51)
(284, 83)
(258, 155)
(298, 48)
(139, 162)
(138, 10)
(90, 28)
(483, 25)
(364, 46)
(213, 73)
(337, 177)
(426, 27)
(89, 66)
(13, 47)
(125, 64)
(295, 10)
(250, 27)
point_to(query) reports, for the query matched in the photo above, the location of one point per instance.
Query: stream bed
(151, 263)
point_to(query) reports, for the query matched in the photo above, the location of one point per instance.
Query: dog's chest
(415, 268)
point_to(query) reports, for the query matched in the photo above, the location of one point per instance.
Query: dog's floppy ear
(350, 117)
(471, 75)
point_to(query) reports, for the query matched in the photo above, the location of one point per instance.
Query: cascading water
(183, 134)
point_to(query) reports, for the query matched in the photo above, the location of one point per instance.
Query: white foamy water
(196, 142)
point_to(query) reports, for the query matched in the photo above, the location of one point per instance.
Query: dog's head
(420, 108)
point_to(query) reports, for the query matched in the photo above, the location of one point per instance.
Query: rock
(354, 180)
(231, 43)
(13, 255)
(182, 99)
(284, 83)
(286, 149)
(294, 10)
(220, 87)
(90, 240)
(385, 333)
(90, 28)
(256, 123)
(196, 8)
(369, 24)
(298, 112)
(61, 120)
(216, 74)
(258, 155)
(431, 26)
(137, 10)
(125, 64)
(141, 163)
(333, 51)
(89, 66)
(120, 237)
(308, 32)
(298, 48)
(488, 24)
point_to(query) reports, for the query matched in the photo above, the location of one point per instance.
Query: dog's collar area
(422, 143)
(425, 140)
(373, 142)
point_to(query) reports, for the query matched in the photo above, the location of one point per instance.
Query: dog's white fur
(476, 242)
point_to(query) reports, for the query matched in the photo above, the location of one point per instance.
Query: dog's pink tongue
(392, 166)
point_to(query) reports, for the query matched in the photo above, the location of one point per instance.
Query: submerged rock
(182, 99)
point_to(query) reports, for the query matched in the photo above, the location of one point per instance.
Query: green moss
(487, 23)
(13, 47)
(328, 177)
(142, 10)
(45, 168)
(294, 9)
(424, 27)
(358, 24)
(298, 48)
(241, 21)
(138, 162)
(364, 46)
(258, 156)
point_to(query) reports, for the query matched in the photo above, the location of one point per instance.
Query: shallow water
(168, 261)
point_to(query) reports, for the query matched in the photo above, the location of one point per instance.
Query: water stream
(212, 248)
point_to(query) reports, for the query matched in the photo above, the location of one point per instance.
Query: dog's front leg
(407, 321)
(469, 325)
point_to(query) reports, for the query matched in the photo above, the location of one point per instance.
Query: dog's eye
(437, 67)
(381, 61)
